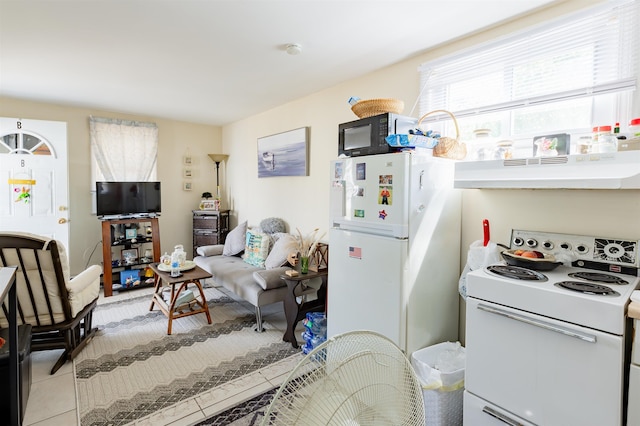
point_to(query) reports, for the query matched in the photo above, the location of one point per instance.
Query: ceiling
(217, 61)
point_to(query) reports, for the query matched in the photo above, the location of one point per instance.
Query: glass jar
(481, 146)
(603, 140)
(585, 145)
(504, 150)
(179, 254)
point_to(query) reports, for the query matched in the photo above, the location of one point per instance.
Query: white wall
(175, 139)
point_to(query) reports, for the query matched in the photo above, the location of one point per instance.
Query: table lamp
(218, 158)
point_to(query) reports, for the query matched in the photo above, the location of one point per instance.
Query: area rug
(247, 413)
(132, 368)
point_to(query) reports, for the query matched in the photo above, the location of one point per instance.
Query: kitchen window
(564, 76)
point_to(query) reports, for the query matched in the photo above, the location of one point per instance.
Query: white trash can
(440, 369)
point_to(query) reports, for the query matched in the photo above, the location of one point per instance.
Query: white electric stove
(551, 347)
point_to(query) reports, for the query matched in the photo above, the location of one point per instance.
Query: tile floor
(52, 400)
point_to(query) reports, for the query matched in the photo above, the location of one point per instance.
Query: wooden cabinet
(121, 237)
(209, 227)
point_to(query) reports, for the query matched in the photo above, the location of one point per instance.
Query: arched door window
(25, 143)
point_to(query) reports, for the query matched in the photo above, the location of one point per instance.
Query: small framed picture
(187, 160)
(187, 173)
(129, 276)
(129, 256)
(130, 233)
(186, 186)
(209, 204)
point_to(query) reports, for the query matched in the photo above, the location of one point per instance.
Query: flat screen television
(128, 199)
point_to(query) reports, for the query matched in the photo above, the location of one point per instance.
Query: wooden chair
(58, 308)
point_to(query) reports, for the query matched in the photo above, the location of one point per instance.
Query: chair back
(41, 276)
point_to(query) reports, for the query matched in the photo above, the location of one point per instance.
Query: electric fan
(355, 378)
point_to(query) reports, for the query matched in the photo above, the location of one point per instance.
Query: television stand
(108, 244)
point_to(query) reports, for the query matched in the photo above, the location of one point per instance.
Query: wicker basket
(448, 147)
(371, 107)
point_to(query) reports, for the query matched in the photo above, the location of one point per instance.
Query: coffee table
(191, 277)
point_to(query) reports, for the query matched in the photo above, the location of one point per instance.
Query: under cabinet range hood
(617, 170)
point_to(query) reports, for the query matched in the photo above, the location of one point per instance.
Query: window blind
(586, 54)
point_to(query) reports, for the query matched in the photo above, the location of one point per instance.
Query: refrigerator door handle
(384, 230)
(421, 185)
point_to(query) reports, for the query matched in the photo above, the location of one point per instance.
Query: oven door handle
(504, 419)
(537, 323)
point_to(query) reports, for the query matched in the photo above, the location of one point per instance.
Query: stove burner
(587, 288)
(598, 277)
(516, 273)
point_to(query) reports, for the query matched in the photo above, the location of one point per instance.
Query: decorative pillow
(256, 248)
(285, 244)
(271, 225)
(235, 241)
(268, 279)
(214, 250)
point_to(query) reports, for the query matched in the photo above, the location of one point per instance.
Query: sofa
(250, 263)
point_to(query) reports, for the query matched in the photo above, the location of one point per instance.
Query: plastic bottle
(634, 127)
(175, 264)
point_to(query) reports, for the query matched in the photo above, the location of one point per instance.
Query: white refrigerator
(394, 248)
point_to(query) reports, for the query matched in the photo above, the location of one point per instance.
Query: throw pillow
(269, 279)
(271, 225)
(235, 241)
(214, 250)
(256, 248)
(285, 244)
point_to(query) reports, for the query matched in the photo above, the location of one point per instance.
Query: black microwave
(366, 136)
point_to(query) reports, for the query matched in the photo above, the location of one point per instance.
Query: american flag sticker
(355, 252)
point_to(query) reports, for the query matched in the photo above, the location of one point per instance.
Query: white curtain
(123, 150)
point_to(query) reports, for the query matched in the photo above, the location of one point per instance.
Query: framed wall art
(284, 154)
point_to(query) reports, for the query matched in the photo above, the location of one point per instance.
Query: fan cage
(355, 378)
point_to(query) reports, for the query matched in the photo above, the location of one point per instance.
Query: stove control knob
(565, 246)
(548, 245)
(518, 241)
(532, 243)
(582, 249)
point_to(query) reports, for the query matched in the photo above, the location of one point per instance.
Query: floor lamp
(218, 158)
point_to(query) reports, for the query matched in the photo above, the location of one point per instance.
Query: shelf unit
(209, 227)
(108, 244)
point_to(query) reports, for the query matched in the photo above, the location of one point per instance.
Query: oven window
(357, 137)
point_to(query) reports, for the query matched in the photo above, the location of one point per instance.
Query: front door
(33, 178)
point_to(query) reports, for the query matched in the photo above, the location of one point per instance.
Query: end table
(295, 311)
(196, 306)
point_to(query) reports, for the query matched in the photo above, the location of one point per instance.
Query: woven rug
(247, 413)
(133, 369)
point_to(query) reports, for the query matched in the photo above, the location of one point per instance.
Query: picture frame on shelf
(209, 204)
(129, 256)
(129, 278)
(130, 233)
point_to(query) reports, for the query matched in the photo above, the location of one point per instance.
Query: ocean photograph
(284, 154)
